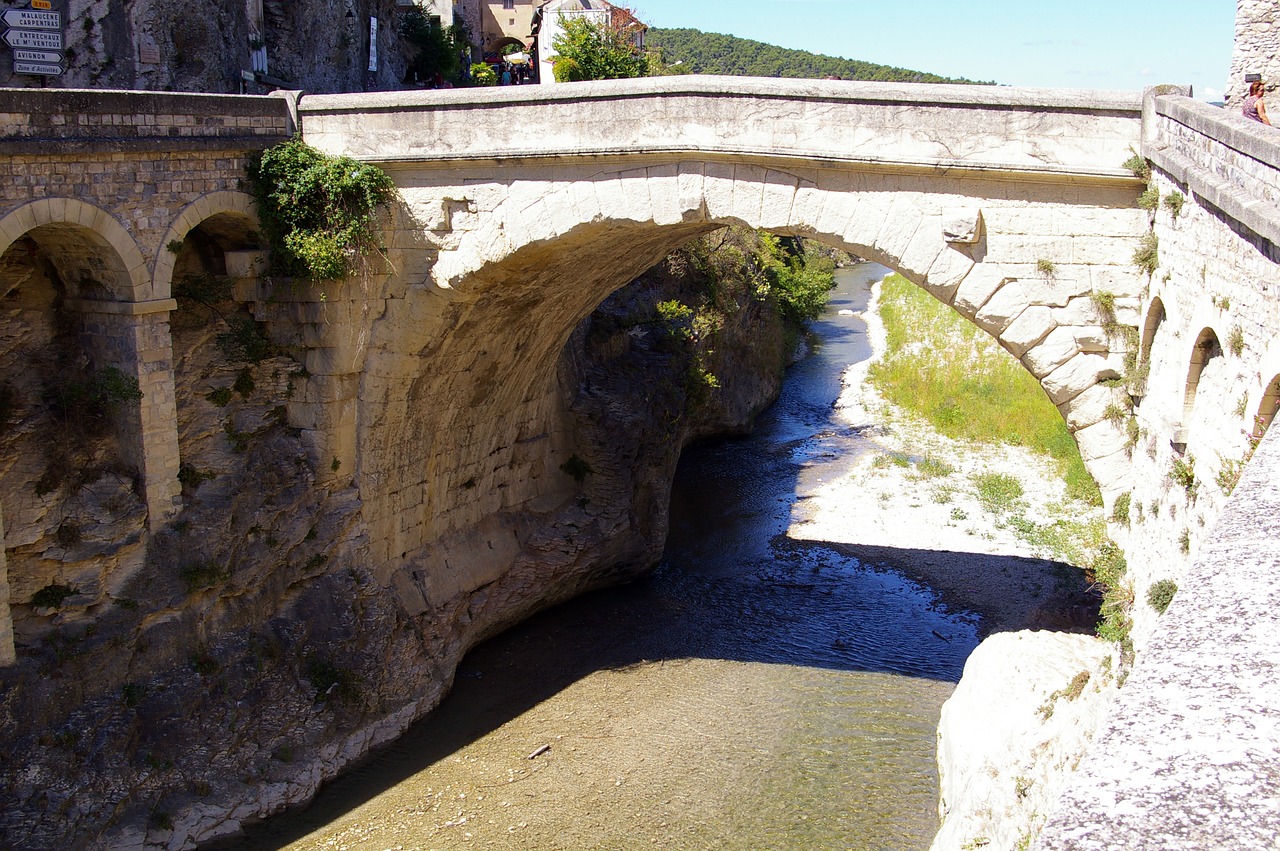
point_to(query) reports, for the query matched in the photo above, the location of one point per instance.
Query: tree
(436, 47)
(587, 50)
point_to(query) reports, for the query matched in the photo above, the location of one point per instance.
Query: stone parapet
(1228, 161)
(82, 121)
(970, 128)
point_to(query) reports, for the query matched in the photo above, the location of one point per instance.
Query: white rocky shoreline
(1030, 700)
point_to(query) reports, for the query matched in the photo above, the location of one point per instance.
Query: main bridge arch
(522, 262)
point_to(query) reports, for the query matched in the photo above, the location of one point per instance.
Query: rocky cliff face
(205, 45)
(255, 654)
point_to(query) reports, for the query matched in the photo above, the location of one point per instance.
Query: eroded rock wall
(262, 648)
(205, 45)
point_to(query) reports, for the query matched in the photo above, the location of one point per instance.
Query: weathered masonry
(426, 388)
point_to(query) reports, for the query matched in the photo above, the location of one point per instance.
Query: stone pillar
(1257, 50)
(134, 338)
(7, 653)
(330, 322)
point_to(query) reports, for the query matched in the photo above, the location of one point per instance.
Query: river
(756, 691)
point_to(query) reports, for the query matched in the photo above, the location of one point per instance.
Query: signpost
(35, 35)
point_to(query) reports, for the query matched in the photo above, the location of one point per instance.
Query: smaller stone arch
(89, 241)
(234, 205)
(1156, 315)
(1206, 348)
(1267, 407)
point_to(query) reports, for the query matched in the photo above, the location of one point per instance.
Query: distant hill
(688, 51)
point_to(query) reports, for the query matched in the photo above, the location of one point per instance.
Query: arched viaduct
(427, 385)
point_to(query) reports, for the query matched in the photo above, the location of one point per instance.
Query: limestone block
(873, 209)
(838, 209)
(1089, 407)
(807, 207)
(583, 196)
(748, 192)
(1077, 311)
(1004, 306)
(1092, 338)
(925, 246)
(1055, 290)
(1123, 280)
(1056, 349)
(978, 286)
(717, 190)
(946, 272)
(692, 197)
(899, 227)
(1077, 375)
(1113, 473)
(613, 202)
(779, 193)
(1102, 250)
(664, 191)
(246, 264)
(1031, 326)
(635, 193)
(962, 224)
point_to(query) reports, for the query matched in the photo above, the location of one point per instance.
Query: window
(508, 4)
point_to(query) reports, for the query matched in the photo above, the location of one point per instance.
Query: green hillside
(687, 51)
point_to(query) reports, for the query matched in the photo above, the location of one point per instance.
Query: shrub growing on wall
(319, 212)
(597, 52)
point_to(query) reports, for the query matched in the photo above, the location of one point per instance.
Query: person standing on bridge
(1253, 106)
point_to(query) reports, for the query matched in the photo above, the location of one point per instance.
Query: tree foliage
(689, 51)
(596, 52)
(436, 47)
(319, 212)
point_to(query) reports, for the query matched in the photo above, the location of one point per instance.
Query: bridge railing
(65, 121)
(1225, 159)
(974, 128)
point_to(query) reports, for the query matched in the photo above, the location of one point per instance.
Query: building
(596, 11)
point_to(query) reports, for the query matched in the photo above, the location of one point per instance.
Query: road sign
(38, 39)
(32, 20)
(41, 4)
(37, 56)
(38, 68)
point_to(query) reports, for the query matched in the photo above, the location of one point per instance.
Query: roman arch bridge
(428, 387)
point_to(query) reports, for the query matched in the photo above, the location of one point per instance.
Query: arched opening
(1155, 318)
(1267, 408)
(1204, 353)
(70, 485)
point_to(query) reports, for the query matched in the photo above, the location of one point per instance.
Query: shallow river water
(754, 692)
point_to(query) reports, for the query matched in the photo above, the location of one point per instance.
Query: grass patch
(958, 378)
(998, 493)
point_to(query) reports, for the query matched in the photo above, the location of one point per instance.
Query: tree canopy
(689, 51)
(587, 50)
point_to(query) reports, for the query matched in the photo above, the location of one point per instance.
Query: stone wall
(1186, 758)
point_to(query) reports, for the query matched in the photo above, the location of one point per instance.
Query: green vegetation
(1183, 474)
(199, 575)
(1046, 268)
(689, 51)
(1173, 203)
(1160, 594)
(998, 493)
(220, 397)
(333, 681)
(1073, 690)
(1120, 508)
(483, 75)
(577, 468)
(1150, 198)
(1147, 255)
(436, 47)
(586, 50)
(320, 213)
(958, 378)
(51, 596)
(1235, 340)
(1107, 573)
(1138, 165)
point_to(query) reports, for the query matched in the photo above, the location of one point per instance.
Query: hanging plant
(320, 213)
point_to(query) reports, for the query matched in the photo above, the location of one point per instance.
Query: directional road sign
(32, 20)
(37, 39)
(47, 56)
(37, 68)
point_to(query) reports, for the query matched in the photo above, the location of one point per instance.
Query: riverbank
(948, 513)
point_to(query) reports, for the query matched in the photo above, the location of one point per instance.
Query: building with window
(597, 11)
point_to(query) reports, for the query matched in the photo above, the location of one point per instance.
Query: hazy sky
(1089, 44)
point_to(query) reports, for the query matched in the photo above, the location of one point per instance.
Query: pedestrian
(506, 76)
(1254, 108)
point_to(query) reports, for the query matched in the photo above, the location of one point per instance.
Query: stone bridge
(429, 383)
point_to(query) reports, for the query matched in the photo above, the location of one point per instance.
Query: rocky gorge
(252, 655)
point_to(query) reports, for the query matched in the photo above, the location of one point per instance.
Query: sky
(1079, 44)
